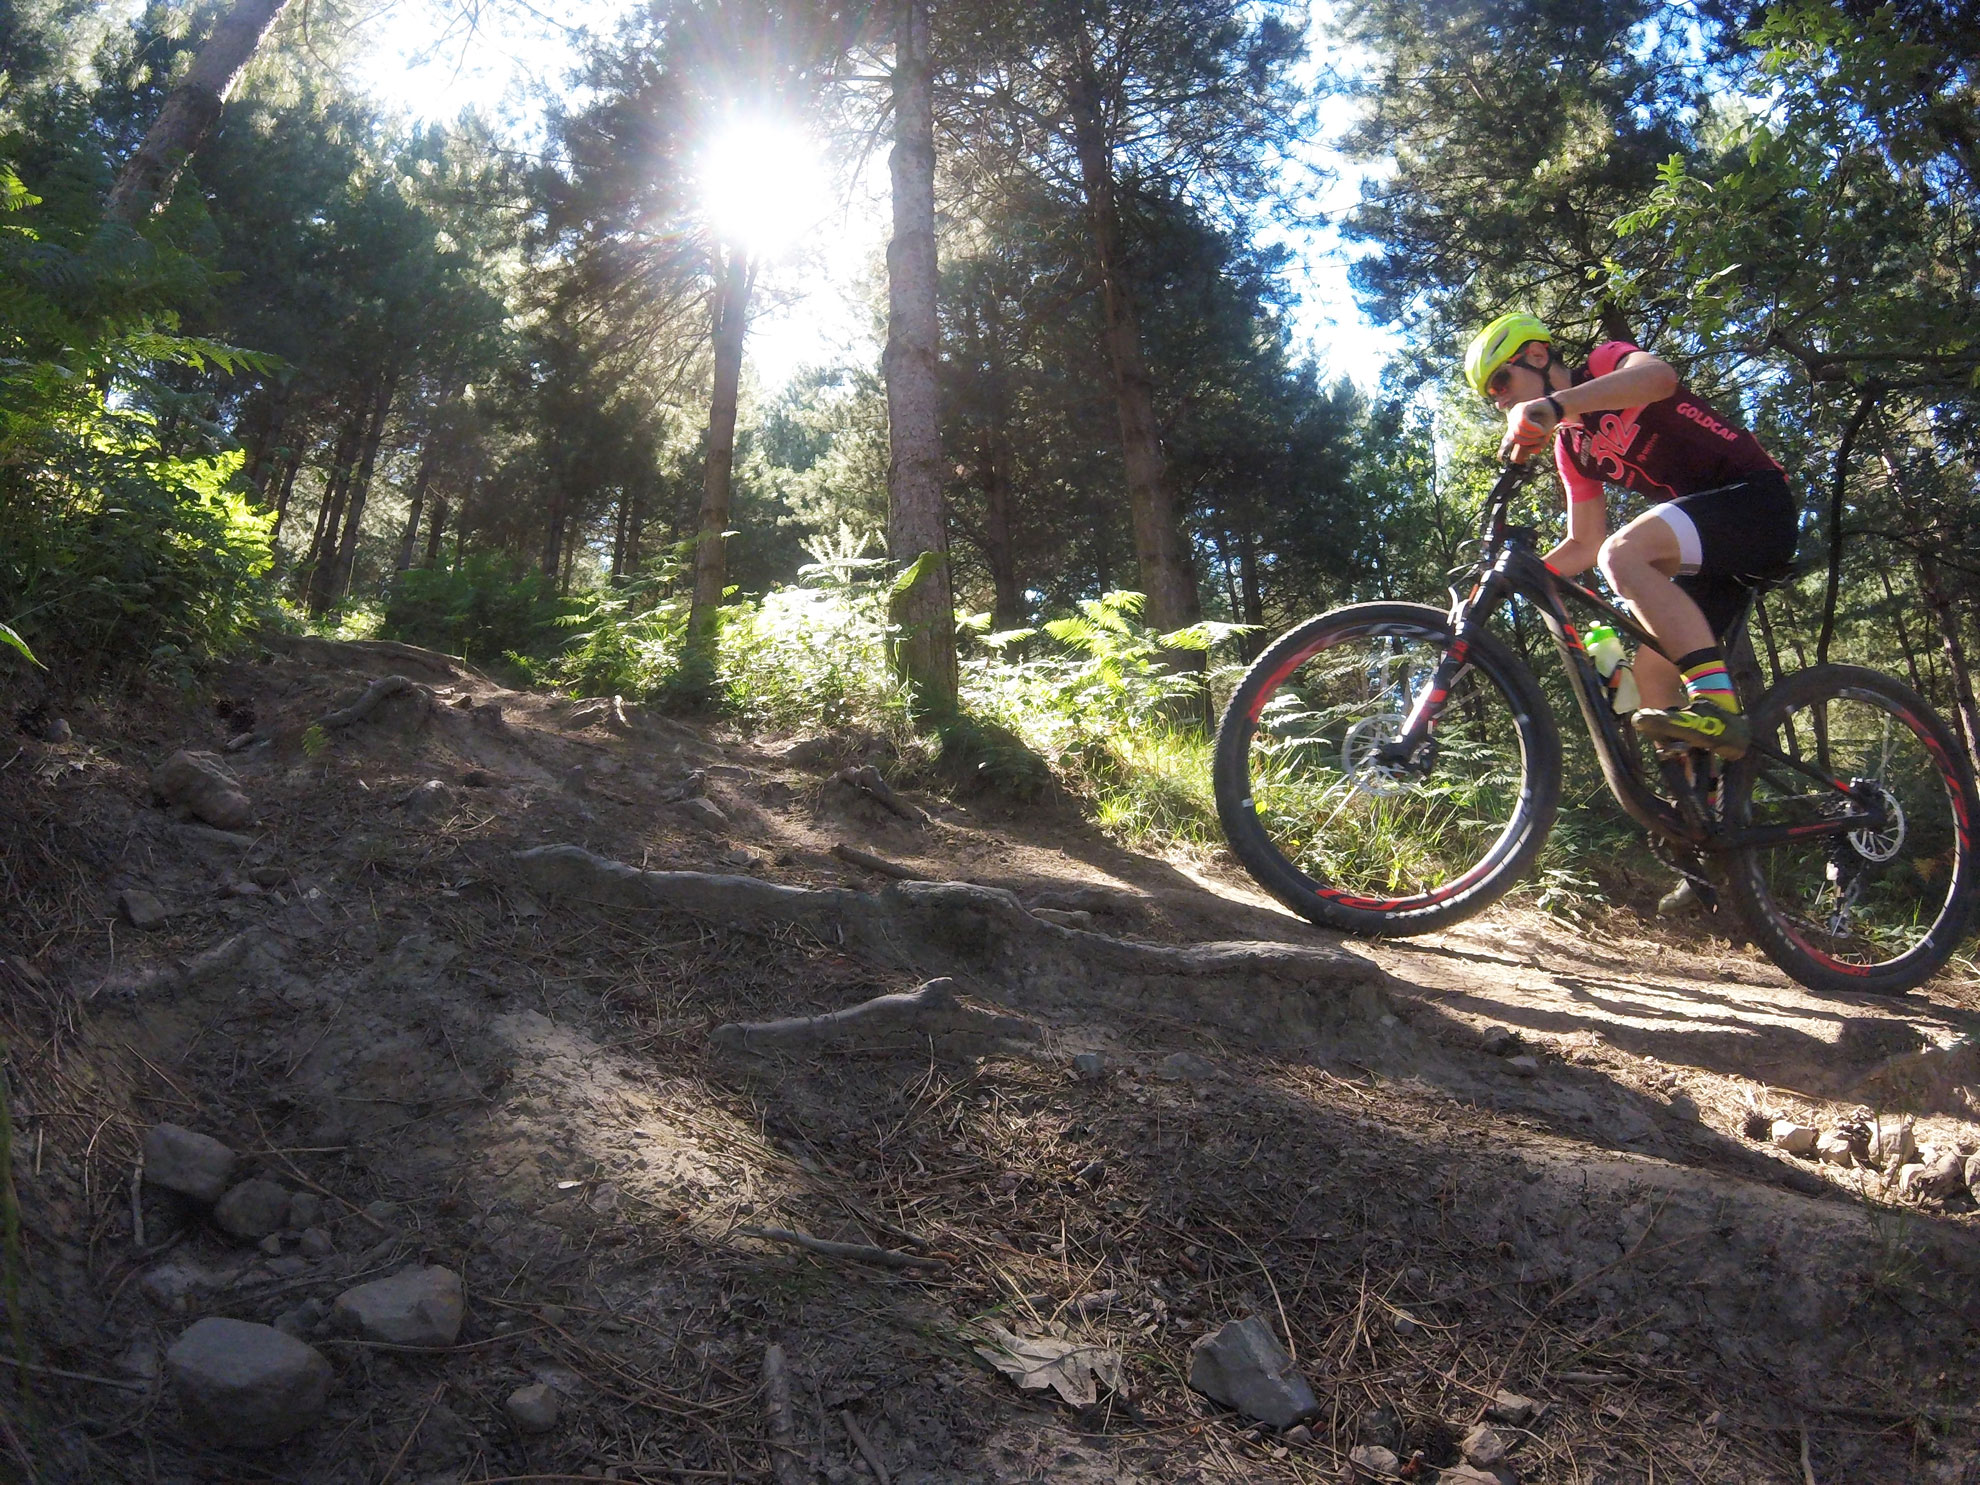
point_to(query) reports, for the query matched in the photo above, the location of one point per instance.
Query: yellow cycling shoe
(1699, 725)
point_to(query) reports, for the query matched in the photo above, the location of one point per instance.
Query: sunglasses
(1501, 380)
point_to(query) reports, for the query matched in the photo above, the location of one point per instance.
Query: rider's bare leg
(1640, 561)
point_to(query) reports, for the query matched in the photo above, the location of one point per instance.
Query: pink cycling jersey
(1665, 449)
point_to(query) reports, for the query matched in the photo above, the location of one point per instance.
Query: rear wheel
(1875, 910)
(1340, 835)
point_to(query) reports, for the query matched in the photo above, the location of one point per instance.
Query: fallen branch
(865, 1446)
(930, 1012)
(375, 695)
(866, 778)
(853, 856)
(784, 1462)
(858, 1252)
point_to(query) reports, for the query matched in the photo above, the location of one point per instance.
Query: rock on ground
(1485, 1447)
(201, 783)
(247, 1385)
(253, 1210)
(194, 1165)
(1796, 1139)
(414, 1307)
(1242, 1365)
(143, 909)
(533, 1409)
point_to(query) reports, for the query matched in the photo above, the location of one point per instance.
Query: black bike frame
(1511, 567)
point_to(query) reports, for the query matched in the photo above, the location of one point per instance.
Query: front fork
(1415, 746)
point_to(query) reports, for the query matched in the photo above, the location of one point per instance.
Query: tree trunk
(190, 111)
(436, 530)
(415, 505)
(330, 514)
(1966, 712)
(263, 445)
(1007, 607)
(333, 577)
(289, 468)
(731, 320)
(924, 612)
(1903, 633)
(1168, 574)
(1838, 488)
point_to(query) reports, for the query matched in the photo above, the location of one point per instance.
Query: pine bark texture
(917, 529)
(190, 112)
(731, 320)
(1168, 575)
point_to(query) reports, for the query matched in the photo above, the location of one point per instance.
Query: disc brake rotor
(1361, 758)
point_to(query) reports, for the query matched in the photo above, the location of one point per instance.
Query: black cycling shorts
(1730, 540)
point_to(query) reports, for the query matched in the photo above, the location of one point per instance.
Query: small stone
(1973, 1174)
(1525, 1065)
(1833, 1149)
(1893, 1144)
(194, 1165)
(704, 812)
(1464, 1474)
(1940, 1177)
(247, 1385)
(1796, 1139)
(381, 1212)
(1089, 1067)
(1485, 1447)
(1242, 1365)
(553, 1314)
(288, 1266)
(201, 783)
(534, 1408)
(1181, 1066)
(271, 1245)
(1513, 1410)
(432, 800)
(1083, 921)
(253, 1209)
(1404, 1323)
(1501, 1041)
(1299, 1433)
(305, 1209)
(58, 731)
(316, 1243)
(304, 1320)
(1372, 1461)
(171, 1283)
(414, 1307)
(141, 908)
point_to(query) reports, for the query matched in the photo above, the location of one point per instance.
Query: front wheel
(1878, 909)
(1316, 813)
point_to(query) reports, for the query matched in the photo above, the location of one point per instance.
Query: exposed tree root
(867, 780)
(375, 695)
(858, 1252)
(1277, 993)
(931, 1013)
(853, 856)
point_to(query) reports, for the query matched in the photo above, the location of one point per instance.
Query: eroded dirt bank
(1153, 1105)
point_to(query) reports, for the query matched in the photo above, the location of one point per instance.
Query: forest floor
(506, 1066)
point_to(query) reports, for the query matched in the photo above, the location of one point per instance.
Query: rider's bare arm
(1641, 379)
(1588, 524)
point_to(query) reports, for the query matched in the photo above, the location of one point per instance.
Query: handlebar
(1492, 520)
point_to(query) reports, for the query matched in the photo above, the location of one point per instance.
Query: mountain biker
(1724, 520)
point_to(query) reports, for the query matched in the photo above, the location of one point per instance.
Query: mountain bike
(1392, 768)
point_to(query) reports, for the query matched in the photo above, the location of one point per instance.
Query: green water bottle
(1605, 648)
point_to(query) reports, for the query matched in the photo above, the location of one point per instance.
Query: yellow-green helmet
(1497, 344)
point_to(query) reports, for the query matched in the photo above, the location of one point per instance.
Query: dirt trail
(473, 1062)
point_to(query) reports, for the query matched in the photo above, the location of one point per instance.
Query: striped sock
(1707, 679)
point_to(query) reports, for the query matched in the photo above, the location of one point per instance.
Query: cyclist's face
(1516, 381)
